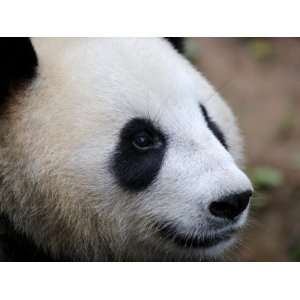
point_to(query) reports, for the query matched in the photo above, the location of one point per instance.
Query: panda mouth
(193, 241)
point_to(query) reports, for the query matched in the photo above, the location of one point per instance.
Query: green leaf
(261, 49)
(266, 177)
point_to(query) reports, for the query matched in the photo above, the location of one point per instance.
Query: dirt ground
(260, 78)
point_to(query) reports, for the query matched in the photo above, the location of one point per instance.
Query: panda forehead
(132, 78)
(128, 63)
(110, 74)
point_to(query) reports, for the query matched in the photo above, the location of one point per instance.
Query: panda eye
(143, 141)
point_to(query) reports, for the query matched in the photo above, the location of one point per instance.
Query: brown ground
(260, 78)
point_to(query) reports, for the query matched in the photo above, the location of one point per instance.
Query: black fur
(231, 205)
(177, 42)
(15, 246)
(18, 62)
(214, 127)
(136, 170)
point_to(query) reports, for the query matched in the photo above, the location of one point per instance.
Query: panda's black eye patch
(139, 154)
(213, 127)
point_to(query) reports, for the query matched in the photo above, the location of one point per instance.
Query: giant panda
(115, 149)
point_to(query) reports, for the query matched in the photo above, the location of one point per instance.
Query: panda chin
(210, 245)
(218, 250)
(211, 252)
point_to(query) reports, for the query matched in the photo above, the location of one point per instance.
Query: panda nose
(230, 206)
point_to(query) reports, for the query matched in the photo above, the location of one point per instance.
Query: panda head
(117, 149)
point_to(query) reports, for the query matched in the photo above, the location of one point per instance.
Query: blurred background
(260, 79)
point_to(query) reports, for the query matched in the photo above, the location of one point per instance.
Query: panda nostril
(230, 206)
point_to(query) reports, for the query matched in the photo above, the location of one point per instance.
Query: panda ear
(18, 62)
(177, 42)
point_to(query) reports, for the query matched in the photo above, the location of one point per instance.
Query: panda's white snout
(225, 216)
(217, 208)
(230, 202)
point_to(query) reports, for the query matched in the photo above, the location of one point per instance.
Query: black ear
(177, 42)
(18, 62)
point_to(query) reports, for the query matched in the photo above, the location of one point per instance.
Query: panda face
(129, 150)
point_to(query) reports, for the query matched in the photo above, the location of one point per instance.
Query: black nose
(230, 206)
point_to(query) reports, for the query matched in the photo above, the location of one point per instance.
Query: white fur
(63, 130)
